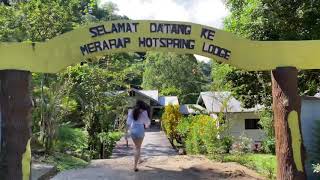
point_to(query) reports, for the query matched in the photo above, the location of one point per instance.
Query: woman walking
(137, 121)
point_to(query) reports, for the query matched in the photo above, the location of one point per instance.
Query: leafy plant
(264, 20)
(269, 146)
(71, 139)
(170, 120)
(165, 72)
(203, 136)
(100, 104)
(269, 168)
(108, 141)
(53, 108)
(266, 122)
(184, 126)
(242, 145)
(226, 143)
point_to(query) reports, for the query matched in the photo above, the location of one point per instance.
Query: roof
(214, 101)
(316, 97)
(154, 94)
(166, 100)
(191, 109)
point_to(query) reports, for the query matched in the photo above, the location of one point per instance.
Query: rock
(182, 151)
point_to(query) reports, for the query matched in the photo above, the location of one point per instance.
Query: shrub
(109, 140)
(226, 143)
(269, 146)
(70, 139)
(266, 122)
(171, 118)
(242, 145)
(203, 136)
(269, 168)
(183, 127)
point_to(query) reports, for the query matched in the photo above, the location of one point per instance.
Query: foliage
(269, 145)
(51, 108)
(226, 143)
(10, 21)
(95, 90)
(173, 74)
(316, 168)
(203, 136)
(251, 88)
(71, 139)
(58, 98)
(109, 141)
(206, 69)
(219, 73)
(183, 127)
(39, 20)
(200, 134)
(242, 145)
(170, 120)
(271, 20)
(262, 163)
(65, 162)
(266, 122)
(85, 95)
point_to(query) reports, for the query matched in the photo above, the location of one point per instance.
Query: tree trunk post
(287, 108)
(15, 106)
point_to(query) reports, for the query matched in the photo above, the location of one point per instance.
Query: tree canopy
(272, 20)
(173, 74)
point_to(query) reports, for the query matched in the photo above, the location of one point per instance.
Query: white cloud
(207, 12)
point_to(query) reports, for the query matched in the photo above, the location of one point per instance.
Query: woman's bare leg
(137, 143)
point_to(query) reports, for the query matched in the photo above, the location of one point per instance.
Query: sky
(206, 12)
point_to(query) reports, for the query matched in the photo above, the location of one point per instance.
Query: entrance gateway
(283, 58)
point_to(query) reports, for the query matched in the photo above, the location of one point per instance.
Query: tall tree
(272, 20)
(173, 74)
(278, 20)
(15, 107)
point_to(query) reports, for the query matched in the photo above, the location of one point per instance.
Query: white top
(142, 119)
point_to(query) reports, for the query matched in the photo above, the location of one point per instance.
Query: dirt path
(160, 163)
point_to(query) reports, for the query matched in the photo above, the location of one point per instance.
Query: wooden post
(16, 105)
(287, 107)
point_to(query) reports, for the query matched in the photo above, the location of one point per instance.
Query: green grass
(264, 164)
(65, 162)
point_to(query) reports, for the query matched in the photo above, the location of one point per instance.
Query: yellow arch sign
(146, 35)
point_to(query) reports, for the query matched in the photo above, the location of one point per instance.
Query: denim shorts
(137, 131)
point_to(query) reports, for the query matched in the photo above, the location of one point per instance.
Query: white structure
(241, 121)
(310, 115)
(191, 109)
(152, 98)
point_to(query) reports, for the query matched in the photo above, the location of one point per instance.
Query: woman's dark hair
(140, 105)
